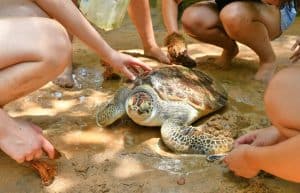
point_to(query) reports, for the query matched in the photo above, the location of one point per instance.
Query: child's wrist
(252, 156)
(110, 57)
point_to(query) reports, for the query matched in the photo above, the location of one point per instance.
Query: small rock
(181, 181)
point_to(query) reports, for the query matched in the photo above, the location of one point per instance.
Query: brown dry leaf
(46, 171)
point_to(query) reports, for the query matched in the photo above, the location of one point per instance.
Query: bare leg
(201, 21)
(40, 56)
(282, 101)
(29, 61)
(255, 25)
(25, 8)
(65, 79)
(139, 12)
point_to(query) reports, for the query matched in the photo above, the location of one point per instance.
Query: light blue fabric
(288, 15)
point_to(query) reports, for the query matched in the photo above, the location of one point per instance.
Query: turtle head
(140, 105)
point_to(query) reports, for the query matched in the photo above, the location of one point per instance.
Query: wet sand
(129, 158)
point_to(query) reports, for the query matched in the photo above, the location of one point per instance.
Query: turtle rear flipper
(177, 50)
(188, 139)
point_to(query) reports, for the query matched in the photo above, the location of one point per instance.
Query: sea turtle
(172, 97)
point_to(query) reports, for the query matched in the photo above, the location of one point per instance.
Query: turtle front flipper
(188, 139)
(114, 110)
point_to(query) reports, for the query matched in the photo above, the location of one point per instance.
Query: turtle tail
(188, 139)
(113, 110)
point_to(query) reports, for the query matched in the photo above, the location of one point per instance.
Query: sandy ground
(129, 158)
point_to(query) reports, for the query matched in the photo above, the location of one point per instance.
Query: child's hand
(24, 141)
(260, 137)
(127, 65)
(296, 55)
(238, 162)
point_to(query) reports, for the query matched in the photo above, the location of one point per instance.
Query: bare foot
(157, 53)
(265, 72)
(22, 140)
(65, 79)
(224, 61)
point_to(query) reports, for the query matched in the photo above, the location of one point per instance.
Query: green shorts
(185, 4)
(219, 3)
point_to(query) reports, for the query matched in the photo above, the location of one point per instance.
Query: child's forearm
(170, 14)
(71, 18)
(139, 12)
(281, 160)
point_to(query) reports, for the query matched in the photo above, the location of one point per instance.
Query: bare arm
(281, 160)
(170, 14)
(71, 18)
(139, 12)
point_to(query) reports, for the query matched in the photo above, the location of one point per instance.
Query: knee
(55, 48)
(192, 21)
(233, 17)
(278, 94)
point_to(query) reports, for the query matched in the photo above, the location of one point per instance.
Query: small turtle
(173, 97)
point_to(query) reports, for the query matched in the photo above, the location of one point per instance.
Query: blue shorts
(288, 14)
